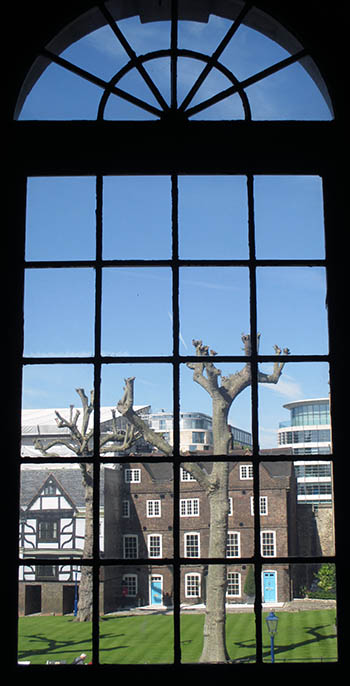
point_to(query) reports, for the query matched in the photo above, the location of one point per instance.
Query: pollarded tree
(79, 441)
(222, 390)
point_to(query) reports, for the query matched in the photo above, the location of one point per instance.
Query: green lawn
(302, 636)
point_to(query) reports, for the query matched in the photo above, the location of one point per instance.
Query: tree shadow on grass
(280, 649)
(54, 648)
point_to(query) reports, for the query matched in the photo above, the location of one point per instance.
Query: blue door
(269, 586)
(156, 590)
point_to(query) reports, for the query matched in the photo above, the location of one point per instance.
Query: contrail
(181, 339)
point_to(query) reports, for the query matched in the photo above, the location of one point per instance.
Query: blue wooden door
(156, 590)
(269, 587)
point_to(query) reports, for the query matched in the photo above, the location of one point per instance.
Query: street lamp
(271, 623)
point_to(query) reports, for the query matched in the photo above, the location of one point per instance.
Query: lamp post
(271, 623)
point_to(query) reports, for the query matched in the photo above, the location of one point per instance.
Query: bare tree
(80, 442)
(223, 390)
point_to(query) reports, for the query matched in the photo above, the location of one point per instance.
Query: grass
(302, 637)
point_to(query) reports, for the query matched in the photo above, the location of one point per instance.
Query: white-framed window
(192, 544)
(233, 544)
(153, 508)
(186, 476)
(263, 505)
(189, 507)
(154, 544)
(246, 471)
(130, 546)
(192, 585)
(132, 476)
(268, 543)
(233, 589)
(130, 585)
(126, 508)
(230, 506)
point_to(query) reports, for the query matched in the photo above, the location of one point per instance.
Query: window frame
(314, 146)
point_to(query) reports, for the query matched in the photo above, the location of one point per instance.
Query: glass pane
(55, 511)
(288, 94)
(136, 312)
(136, 217)
(294, 404)
(119, 108)
(47, 389)
(202, 36)
(289, 217)
(213, 205)
(197, 411)
(57, 301)
(250, 51)
(138, 510)
(208, 298)
(48, 632)
(228, 108)
(59, 94)
(292, 309)
(307, 622)
(99, 53)
(239, 622)
(201, 517)
(60, 218)
(296, 509)
(131, 636)
(149, 389)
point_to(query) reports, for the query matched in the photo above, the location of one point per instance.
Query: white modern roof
(309, 401)
(43, 421)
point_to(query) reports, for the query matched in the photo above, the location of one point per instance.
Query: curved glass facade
(310, 414)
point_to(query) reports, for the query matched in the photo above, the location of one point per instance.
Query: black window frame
(257, 148)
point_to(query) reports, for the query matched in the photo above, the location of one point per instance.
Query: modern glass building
(309, 433)
(195, 431)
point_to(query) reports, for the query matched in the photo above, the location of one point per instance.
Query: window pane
(45, 390)
(307, 624)
(288, 94)
(289, 217)
(208, 297)
(138, 510)
(147, 638)
(45, 616)
(240, 618)
(213, 205)
(55, 511)
(60, 218)
(286, 408)
(58, 300)
(59, 94)
(136, 301)
(292, 309)
(152, 390)
(136, 217)
(197, 407)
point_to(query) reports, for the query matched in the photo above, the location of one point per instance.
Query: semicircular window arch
(221, 68)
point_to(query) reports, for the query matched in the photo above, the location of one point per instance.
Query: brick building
(139, 513)
(136, 529)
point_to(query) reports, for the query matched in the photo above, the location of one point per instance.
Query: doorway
(269, 587)
(156, 590)
(32, 602)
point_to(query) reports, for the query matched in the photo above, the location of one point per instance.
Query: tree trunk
(214, 643)
(84, 613)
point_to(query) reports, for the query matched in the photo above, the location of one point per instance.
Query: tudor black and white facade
(52, 526)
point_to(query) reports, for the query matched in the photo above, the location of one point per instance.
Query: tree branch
(277, 368)
(125, 407)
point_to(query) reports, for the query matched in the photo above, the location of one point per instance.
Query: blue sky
(214, 302)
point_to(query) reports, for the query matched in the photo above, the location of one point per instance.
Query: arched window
(175, 189)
